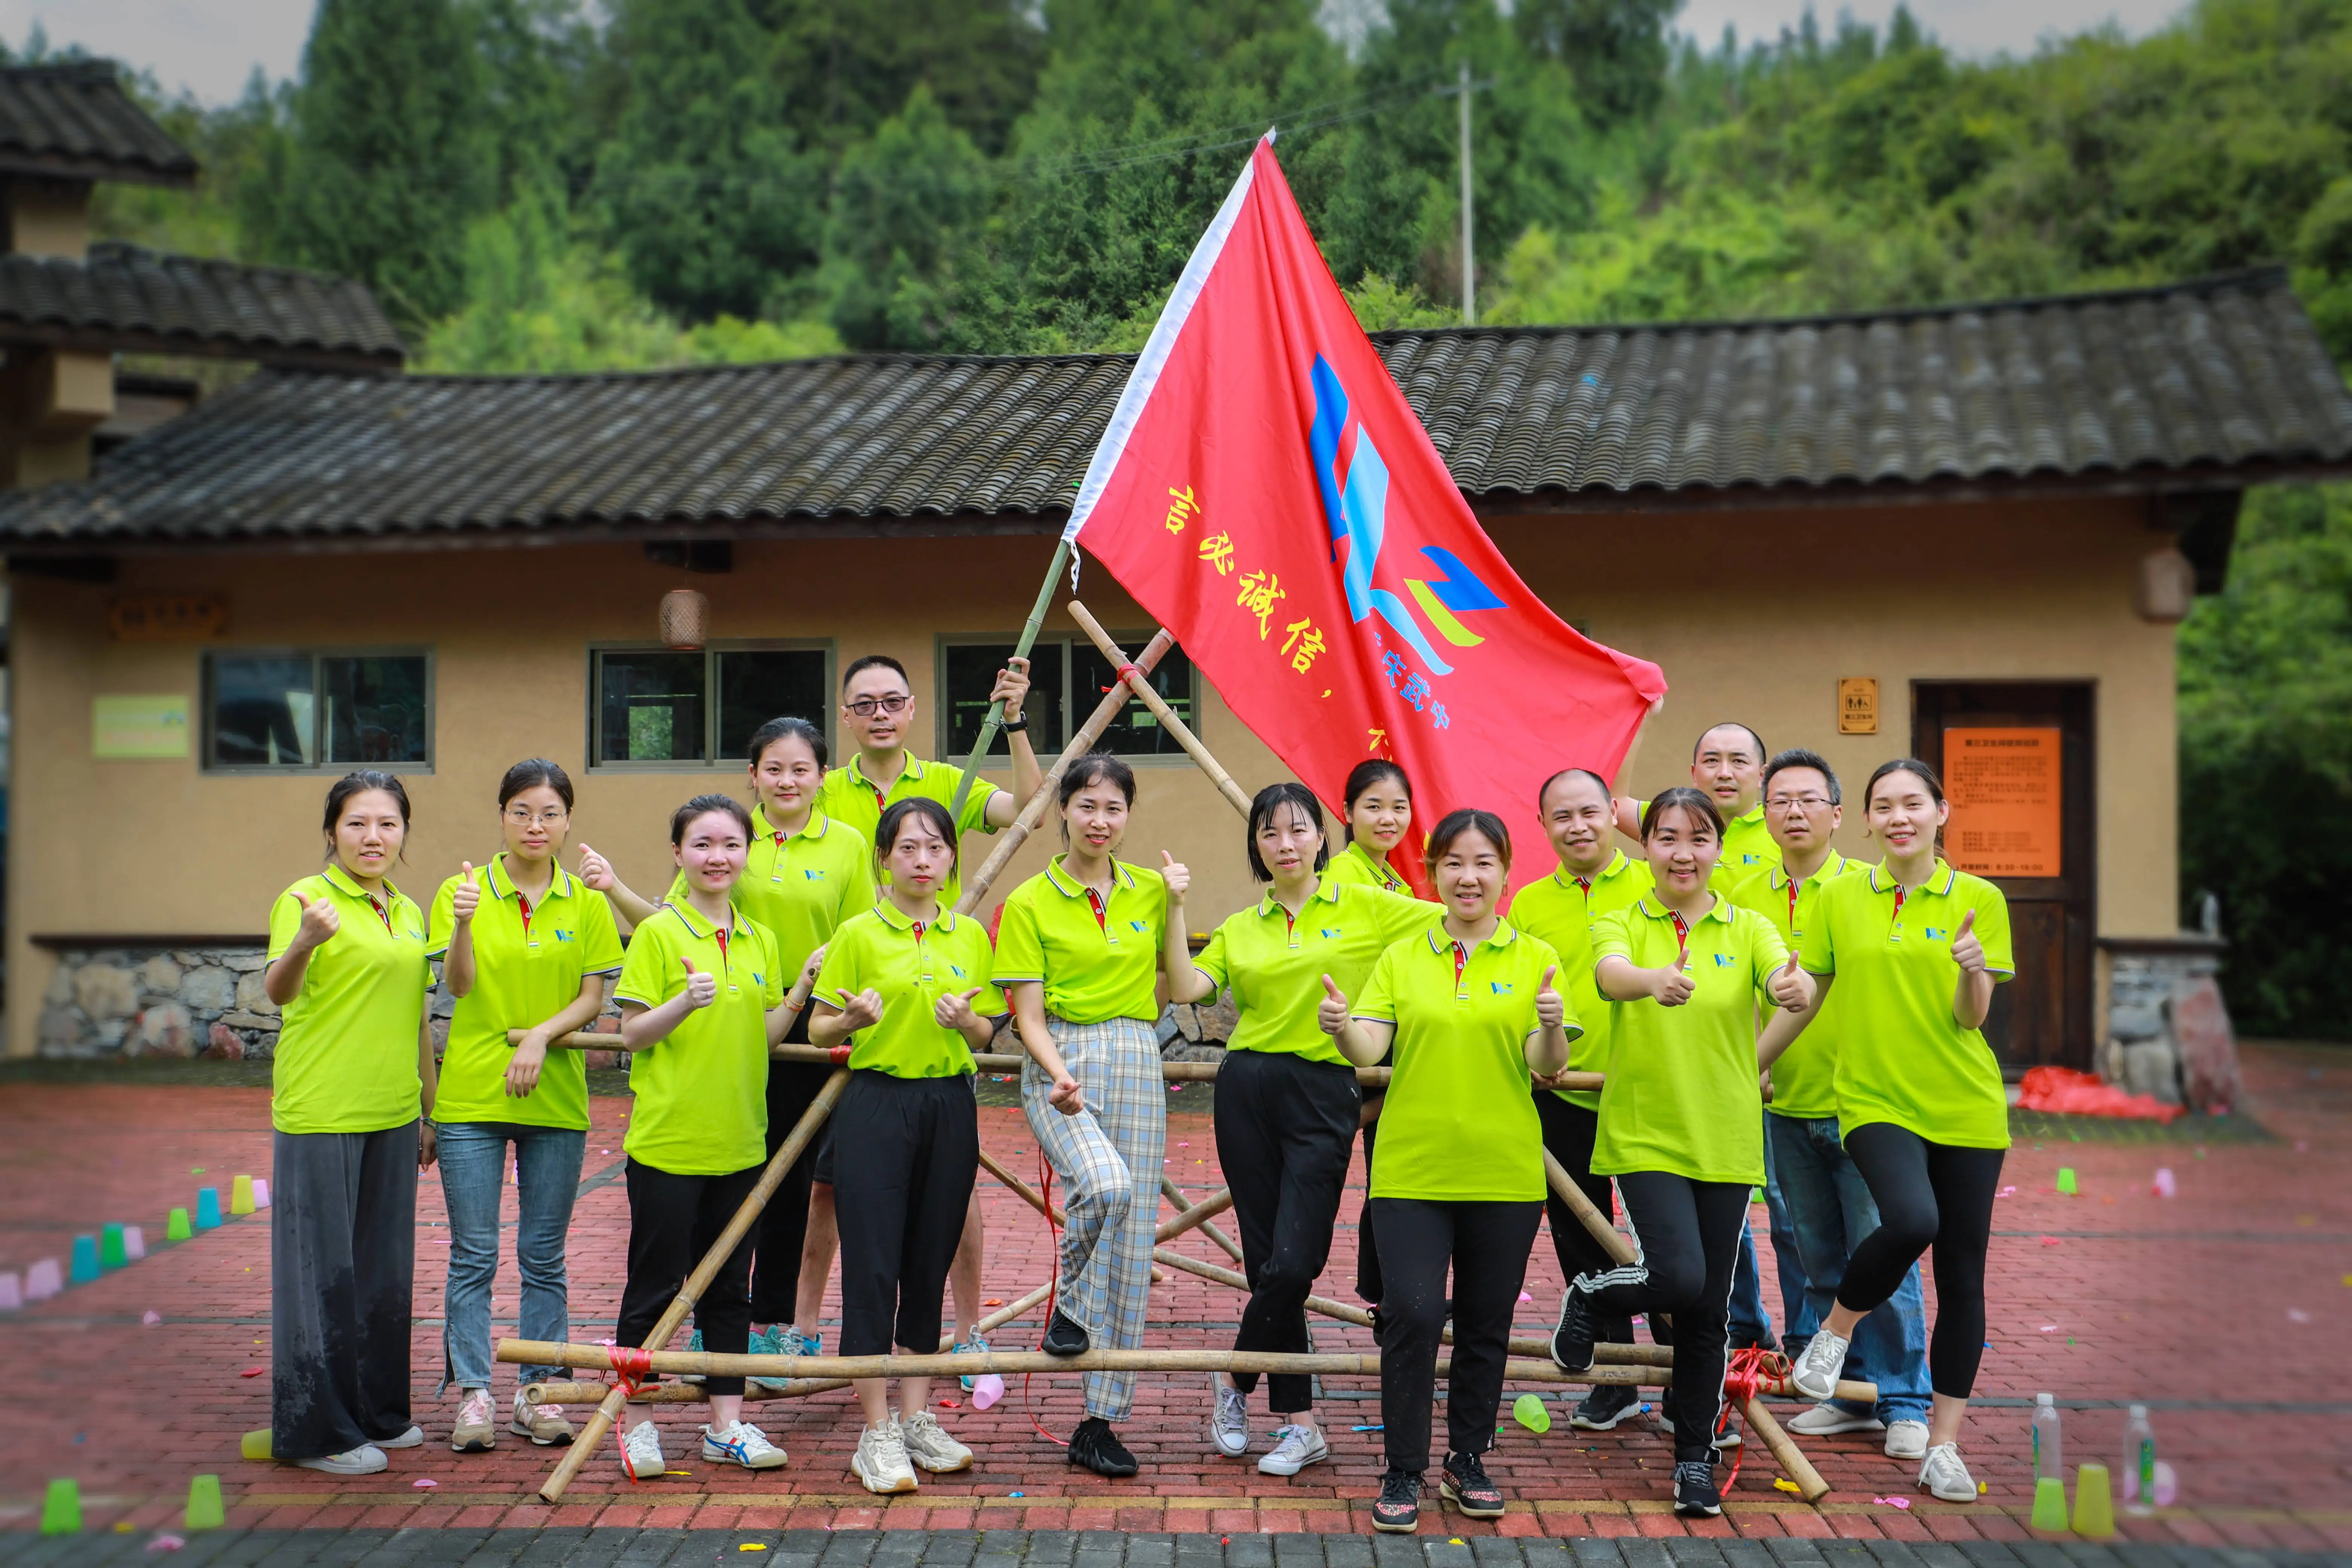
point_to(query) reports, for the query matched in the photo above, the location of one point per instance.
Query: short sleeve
(858, 890)
(1019, 949)
(1819, 954)
(974, 815)
(442, 925)
(1377, 1001)
(840, 970)
(1766, 953)
(1611, 938)
(773, 991)
(1215, 959)
(644, 975)
(1401, 917)
(1993, 929)
(600, 935)
(285, 919)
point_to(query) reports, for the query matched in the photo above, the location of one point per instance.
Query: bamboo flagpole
(1132, 674)
(995, 719)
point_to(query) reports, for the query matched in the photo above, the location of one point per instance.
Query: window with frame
(657, 707)
(1067, 676)
(292, 710)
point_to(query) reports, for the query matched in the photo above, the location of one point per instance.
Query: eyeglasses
(523, 816)
(1804, 803)
(866, 707)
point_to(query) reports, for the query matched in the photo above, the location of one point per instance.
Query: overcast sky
(212, 46)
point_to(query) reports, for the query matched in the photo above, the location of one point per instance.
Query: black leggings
(904, 1161)
(1568, 1130)
(1685, 1249)
(1928, 1194)
(783, 1224)
(1487, 1244)
(672, 1221)
(1286, 1127)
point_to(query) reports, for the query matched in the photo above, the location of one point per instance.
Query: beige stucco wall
(1753, 615)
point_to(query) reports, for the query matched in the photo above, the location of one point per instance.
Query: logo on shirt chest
(1135, 926)
(1329, 934)
(813, 874)
(1502, 987)
(1934, 934)
(1723, 961)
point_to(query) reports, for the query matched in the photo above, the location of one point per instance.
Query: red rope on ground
(630, 1367)
(1743, 1376)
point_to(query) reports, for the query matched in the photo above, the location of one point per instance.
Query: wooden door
(2019, 765)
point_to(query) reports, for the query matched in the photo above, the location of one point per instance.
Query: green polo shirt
(912, 965)
(1358, 864)
(1747, 845)
(1275, 964)
(529, 964)
(1560, 908)
(1458, 1125)
(347, 1049)
(702, 1094)
(1902, 1057)
(1804, 1080)
(1099, 959)
(1682, 1094)
(848, 795)
(801, 886)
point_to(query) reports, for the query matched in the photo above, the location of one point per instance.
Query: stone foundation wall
(159, 1002)
(2169, 1031)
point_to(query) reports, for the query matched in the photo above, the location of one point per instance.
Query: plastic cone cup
(42, 1280)
(208, 1213)
(12, 1292)
(255, 1445)
(2066, 1179)
(205, 1511)
(240, 1195)
(111, 1252)
(61, 1509)
(176, 1228)
(134, 1242)
(2094, 1504)
(2049, 1503)
(85, 1259)
(1528, 1411)
(261, 1191)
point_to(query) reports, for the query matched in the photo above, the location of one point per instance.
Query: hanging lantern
(685, 619)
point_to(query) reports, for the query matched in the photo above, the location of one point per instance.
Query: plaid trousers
(1108, 1159)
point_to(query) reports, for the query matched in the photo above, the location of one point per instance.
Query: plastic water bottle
(2140, 1463)
(2049, 1460)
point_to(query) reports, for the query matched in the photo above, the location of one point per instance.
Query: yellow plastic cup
(255, 1445)
(2094, 1504)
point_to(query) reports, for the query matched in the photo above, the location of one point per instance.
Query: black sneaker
(1605, 1407)
(1695, 1493)
(1571, 1341)
(1096, 1448)
(1064, 1337)
(1464, 1484)
(1398, 1511)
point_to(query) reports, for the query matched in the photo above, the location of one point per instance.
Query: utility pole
(1469, 251)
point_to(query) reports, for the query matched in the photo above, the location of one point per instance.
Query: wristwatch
(1015, 726)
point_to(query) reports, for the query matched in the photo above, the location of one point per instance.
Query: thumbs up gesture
(1675, 984)
(953, 1010)
(1967, 951)
(1333, 1013)
(862, 1011)
(320, 922)
(1790, 986)
(468, 895)
(701, 989)
(1178, 876)
(596, 871)
(1550, 1011)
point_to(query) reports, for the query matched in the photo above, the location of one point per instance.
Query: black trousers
(1368, 1284)
(783, 1224)
(904, 1159)
(1685, 1249)
(672, 1221)
(1568, 1130)
(1486, 1243)
(1286, 1127)
(1928, 1194)
(343, 1258)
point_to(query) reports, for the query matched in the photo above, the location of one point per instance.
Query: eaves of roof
(72, 120)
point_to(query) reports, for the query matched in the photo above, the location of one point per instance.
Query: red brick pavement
(2238, 1292)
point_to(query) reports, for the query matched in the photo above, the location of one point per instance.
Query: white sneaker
(1826, 1420)
(1944, 1477)
(1906, 1439)
(928, 1445)
(742, 1444)
(364, 1461)
(880, 1462)
(1229, 1422)
(412, 1438)
(1294, 1448)
(1815, 1372)
(641, 1455)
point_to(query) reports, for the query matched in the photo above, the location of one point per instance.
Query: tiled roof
(74, 120)
(2207, 385)
(125, 299)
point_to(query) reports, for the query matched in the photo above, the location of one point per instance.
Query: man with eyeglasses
(1727, 766)
(1818, 1197)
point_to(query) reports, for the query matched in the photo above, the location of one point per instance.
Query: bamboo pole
(1810, 1485)
(698, 1281)
(1208, 1209)
(1563, 1186)
(995, 719)
(1160, 710)
(1225, 1244)
(1022, 1189)
(1033, 810)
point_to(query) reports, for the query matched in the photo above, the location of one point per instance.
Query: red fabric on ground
(2062, 1092)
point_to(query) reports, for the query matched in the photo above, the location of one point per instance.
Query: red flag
(1266, 491)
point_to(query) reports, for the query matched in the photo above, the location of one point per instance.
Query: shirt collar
(335, 877)
(1753, 814)
(910, 771)
(1618, 861)
(898, 919)
(1940, 881)
(1069, 888)
(701, 928)
(1657, 911)
(1833, 867)
(502, 885)
(1440, 942)
(819, 824)
(1325, 888)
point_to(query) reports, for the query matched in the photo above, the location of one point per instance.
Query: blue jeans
(473, 1170)
(1829, 1210)
(1749, 1322)
(1802, 1322)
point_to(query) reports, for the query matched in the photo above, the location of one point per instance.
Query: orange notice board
(2004, 786)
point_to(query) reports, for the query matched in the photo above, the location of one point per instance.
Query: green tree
(389, 162)
(847, 65)
(904, 259)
